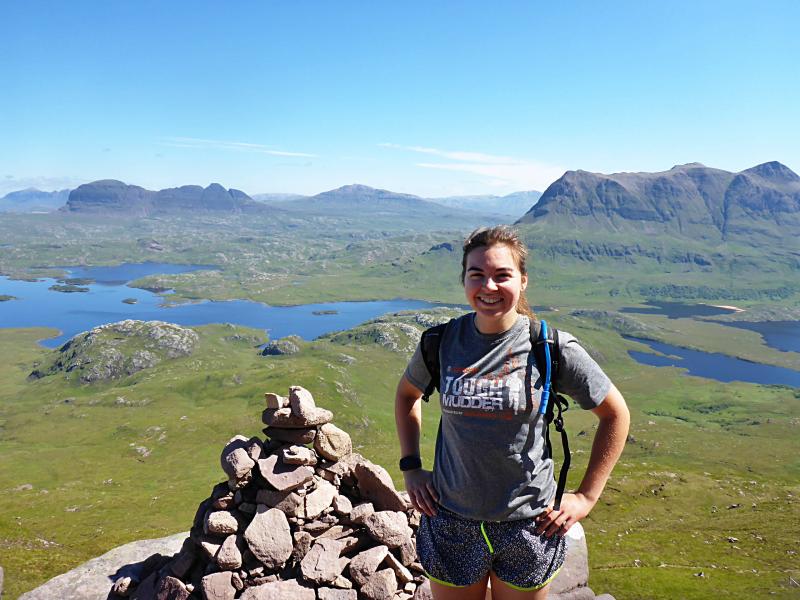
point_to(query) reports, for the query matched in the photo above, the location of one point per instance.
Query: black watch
(409, 463)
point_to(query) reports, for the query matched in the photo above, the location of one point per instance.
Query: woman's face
(493, 284)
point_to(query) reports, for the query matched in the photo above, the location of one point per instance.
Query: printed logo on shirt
(498, 395)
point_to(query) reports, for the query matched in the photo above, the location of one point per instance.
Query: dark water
(714, 366)
(38, 306)
(783, 335)
(677, 310)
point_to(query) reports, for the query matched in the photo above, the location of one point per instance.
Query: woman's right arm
(408, 418)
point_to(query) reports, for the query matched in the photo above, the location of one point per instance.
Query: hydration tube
(546, 383)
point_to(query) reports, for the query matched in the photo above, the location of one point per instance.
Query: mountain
(354, 196)
(361, 201)
(692, 201)
(115, 197)
(33, 200)
(511, 205)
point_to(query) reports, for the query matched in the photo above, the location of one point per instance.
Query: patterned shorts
(458, 552)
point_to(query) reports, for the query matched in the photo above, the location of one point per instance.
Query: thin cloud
(187, 142)
(460, 156)
(499, 171)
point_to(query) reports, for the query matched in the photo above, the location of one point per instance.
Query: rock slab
(92, 579)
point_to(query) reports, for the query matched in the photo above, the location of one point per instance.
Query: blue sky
(432, 98)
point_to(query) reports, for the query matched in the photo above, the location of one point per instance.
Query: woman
(487, 503)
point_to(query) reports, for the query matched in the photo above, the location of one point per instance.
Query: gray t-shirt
(492, 462)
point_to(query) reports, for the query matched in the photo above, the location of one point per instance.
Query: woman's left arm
(609, 441)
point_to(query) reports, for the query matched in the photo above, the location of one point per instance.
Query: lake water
(714, 366)
(781, 335)
(72, 313)
(677, 310)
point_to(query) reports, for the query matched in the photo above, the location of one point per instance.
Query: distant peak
(691, 165)
(773, 170)
(354, 187)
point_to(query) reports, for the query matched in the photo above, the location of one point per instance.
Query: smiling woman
(495, 278)
(491, 486)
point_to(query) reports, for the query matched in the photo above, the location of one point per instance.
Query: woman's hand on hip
(419, 485)
(574, 507)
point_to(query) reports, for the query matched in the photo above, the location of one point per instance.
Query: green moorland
(290, 260)
(703, 503)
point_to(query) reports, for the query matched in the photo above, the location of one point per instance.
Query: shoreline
(729, 307)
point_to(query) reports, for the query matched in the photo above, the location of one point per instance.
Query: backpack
(547, 355)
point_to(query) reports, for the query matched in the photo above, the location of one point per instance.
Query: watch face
(407, 463)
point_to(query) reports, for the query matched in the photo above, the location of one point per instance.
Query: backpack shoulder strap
(547, 353)
(430, 342)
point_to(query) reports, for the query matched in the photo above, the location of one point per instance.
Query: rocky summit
(300, 516)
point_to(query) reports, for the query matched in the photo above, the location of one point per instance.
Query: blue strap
(546, 383)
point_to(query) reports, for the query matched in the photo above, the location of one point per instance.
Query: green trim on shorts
(442, 582)
(486, 538)
(530, 589)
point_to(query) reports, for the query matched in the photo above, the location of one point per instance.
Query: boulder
(275, 401)
(298, 455)
(388, 527)
(423, 591)
(218, 586)
(268, 536)
(284, 418)
(288, 502)
(342, 505)
(336, 594)
(332, 443)
(301, 402)
(284, 477)
(235, 460)
(229, 557)
(221, 522)
(291, 436)
(380, 585)
(366, 563)
(280, 347)
(320, 499)
(322, 564)
(279, 590)
(376, 485)
(361, 512)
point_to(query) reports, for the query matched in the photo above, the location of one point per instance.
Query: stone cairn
(300, 517)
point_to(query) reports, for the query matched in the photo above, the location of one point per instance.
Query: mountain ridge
(114, 196)
(689, 200)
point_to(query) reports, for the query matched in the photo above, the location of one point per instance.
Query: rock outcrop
(91, 580)
(119, 349)
(287, 345)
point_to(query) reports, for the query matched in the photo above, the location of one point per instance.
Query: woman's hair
(492, 236)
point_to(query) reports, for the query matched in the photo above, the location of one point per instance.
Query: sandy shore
(728, 307)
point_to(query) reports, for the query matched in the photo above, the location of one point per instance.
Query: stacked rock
(300, 517)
